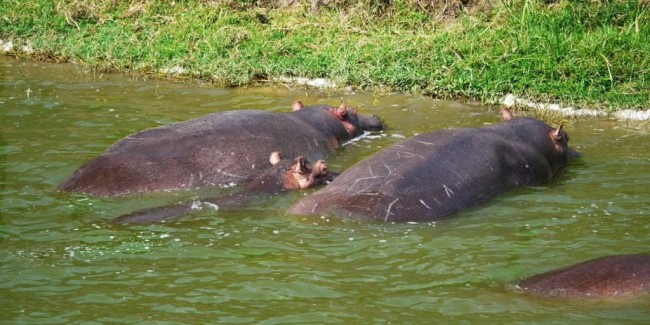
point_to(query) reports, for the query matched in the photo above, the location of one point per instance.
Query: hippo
(283, 176)
(435, 174)
(609, 276)
(220, 148)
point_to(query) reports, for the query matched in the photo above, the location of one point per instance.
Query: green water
(63, 261)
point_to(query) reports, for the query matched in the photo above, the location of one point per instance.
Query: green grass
(585, 53)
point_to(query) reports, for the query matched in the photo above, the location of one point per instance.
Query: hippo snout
(370, 123)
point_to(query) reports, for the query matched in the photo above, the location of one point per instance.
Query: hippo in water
(438, 173)
(618, 275)
(220, 148)
(283, 176)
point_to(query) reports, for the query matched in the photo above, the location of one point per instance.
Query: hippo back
(437, 173)
(219, 148)
(619, 275)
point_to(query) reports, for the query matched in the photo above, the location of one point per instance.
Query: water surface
(63, 261)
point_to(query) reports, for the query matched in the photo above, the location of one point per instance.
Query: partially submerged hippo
(435, 174)
(221, 148)
(284, 175)
(618, 275)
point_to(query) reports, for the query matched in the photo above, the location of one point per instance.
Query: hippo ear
(558, 133)
(506, 114)
(341, 111)
(297, 105)
(275, 158)
(300, 165)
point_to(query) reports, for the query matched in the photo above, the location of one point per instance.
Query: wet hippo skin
(225, 147)
(283, 176)
(435, 174)
(618, 275)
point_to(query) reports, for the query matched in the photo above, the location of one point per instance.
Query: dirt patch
(433, 8)
(452, 8)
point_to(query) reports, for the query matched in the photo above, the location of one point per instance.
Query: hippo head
(561, 142)
(560, 153)
(302, 174)
(353, 122)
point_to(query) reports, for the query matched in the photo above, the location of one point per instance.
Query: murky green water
(63, 261)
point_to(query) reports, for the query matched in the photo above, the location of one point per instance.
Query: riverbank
(591, 55)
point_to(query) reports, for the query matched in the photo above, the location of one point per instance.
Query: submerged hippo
(225, 147)
(435, 174)
(283, 176)
(618, 275)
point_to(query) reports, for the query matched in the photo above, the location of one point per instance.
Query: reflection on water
(63, 261)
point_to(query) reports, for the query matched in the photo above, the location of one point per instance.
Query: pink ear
(297, 105)
(557, 133)
(341, 112)
(506, 114)
(275, 158)
(300, 166)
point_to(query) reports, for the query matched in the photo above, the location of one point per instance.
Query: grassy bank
(585, 53)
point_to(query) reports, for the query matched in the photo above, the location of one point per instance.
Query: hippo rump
(220, 148)
(610, 276)
(435, 174)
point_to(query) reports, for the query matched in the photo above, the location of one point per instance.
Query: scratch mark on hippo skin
(407, 154)
(364, 202)
(448, 191)
(390, 206)
(227, 174)
(363, 189)
(190, 183)
(452, 168)
(372, 176)
(423, 203)
(194, 182)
